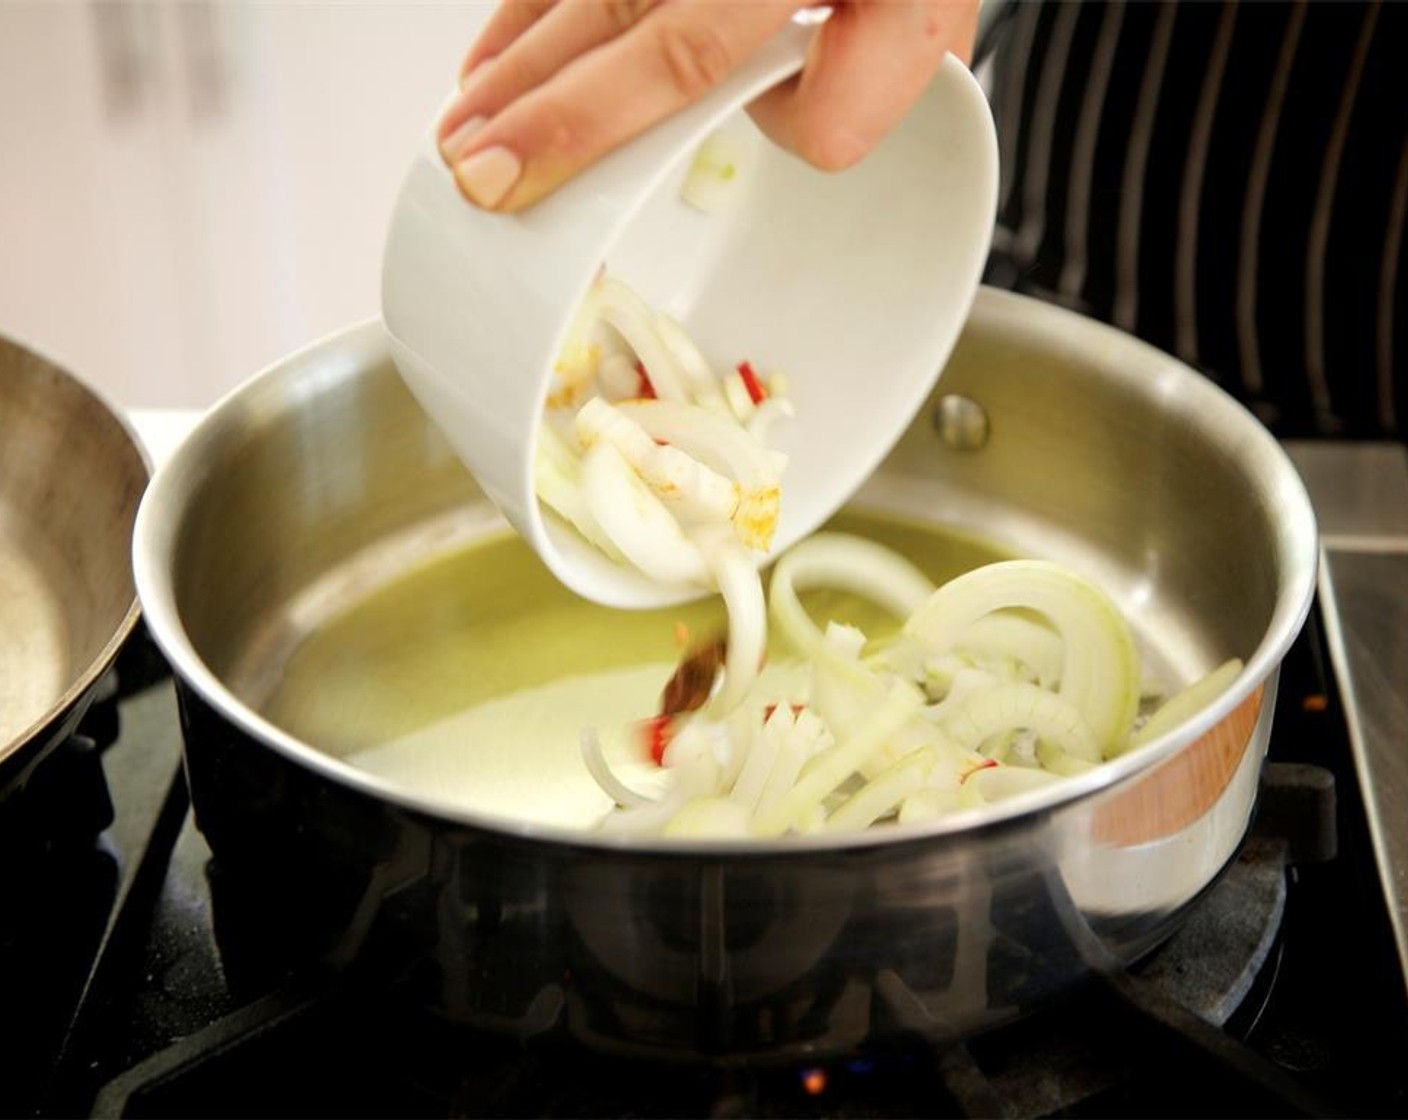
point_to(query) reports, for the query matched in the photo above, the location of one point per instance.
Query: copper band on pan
(1179, 791)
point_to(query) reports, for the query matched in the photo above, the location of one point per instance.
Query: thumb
(867, 67)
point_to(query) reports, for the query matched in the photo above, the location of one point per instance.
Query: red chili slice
(756, 393)
(988, 765)
(656, 733)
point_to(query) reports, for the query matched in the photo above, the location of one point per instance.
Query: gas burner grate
(334, 1046)
(1236, 1014)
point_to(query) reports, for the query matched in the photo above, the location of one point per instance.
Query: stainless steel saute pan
(1049, 434)
(71, 477)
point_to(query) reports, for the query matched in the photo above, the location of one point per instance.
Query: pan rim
(73, 697)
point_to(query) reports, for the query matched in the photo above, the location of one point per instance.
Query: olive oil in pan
(467, 682)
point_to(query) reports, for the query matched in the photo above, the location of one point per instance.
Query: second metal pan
(71, 478)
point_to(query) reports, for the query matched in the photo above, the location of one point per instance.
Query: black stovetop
(136, 991)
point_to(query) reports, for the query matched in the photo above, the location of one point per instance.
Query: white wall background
(190, 190)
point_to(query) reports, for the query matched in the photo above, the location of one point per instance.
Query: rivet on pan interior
(961, 422)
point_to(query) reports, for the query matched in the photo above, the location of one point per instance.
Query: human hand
(553, 85)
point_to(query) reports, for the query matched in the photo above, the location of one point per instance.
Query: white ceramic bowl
(855, 285)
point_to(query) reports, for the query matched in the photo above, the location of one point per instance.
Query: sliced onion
(1011, 637)
(712, 179)
(928, 804)
(763, 750)
(648, 820)
(984, 712)
(848, 563)
(998, 782)
(1028, 659)
(739, 400)
(634, 320)
(901, 704)
(557, 478)
(605, 777)
(636, 522)
(964, 679)
(848, 641)
(792, 755)
(723, 445)
(679, 480)
(1188, 702)
(733, 739)
(704, 386)
(618, 377)
(843, 689)
(695, 780)
(1061, 762)
(709, 818)
(1100, 667)
(578, 359)
(883, 794)
(765, 415)
(717, 441)
(738, 581)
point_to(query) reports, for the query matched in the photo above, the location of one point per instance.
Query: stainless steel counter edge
(1360, 494)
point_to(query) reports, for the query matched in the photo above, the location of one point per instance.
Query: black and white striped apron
(1226, 180)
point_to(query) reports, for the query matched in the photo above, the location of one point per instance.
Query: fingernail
(459, 139)
(473, 72)
(487, 176)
